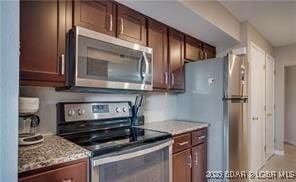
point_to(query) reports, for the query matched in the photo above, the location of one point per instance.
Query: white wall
(9, 76)
(284, 56)
(158, 106)
(290, 105)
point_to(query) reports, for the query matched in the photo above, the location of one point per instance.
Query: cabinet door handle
(121, 25)
(255, 118)
(190, 161)
(166, 77)
(201, 137)
(111, 23)
(62, 64)
(173, 79)
(206, 55)
(196, 158)
(183, 143)
(68, 180)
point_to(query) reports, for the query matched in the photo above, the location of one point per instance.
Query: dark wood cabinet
(67, 173)
(208, 51)
(199, 165)
(193, 49)
(158, 40)
(190, 156)
(131, 25)
(176, 60)
(97, 15)
(43, 27)
(181, 166)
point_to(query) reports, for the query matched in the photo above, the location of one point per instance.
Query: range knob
(71, 112)
(117, 109)
(125, 109)
(81, 112)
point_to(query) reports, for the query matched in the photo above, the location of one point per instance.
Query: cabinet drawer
(199, 136)
(182, 142)
(73, 173)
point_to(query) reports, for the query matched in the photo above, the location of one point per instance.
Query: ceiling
(274, 19)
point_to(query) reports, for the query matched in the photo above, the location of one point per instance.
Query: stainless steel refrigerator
(216, 93)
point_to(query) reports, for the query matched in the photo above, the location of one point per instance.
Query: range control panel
(96, 111)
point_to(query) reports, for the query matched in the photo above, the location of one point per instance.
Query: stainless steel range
(120, 152)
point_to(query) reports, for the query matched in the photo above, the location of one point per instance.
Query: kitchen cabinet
(176, 60)
(208, 51)
(199, 166)
(193, 49)
(95, 15)
(190, 156)
(43, 27)
(67, 173)
(182, 166)
(158, 40)
(131, 25)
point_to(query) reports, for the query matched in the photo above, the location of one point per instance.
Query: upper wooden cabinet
(95, 15)
(208, 51)
(43, 27)
(158, 40)
(193, 49)
(131, 25)
(176, 60)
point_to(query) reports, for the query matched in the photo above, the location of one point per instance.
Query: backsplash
(158, 106)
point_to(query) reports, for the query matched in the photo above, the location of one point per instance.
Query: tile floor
(279, 163)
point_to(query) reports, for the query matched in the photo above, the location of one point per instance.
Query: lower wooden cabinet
(182, 166)
(69, 173)
(190, 157)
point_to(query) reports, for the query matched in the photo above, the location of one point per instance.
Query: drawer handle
(183, 143)
(201, 137)
(68, 180)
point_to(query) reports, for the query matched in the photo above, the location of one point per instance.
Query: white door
(269, 124)
(257, 112)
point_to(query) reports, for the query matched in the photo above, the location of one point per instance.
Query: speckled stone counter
(53, 150)
(174, 127)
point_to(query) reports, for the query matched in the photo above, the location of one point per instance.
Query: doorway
(290, 105)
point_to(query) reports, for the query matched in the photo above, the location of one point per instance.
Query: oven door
(102, 61)
(152, 162)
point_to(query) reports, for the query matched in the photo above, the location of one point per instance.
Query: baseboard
(290, 142)
(279, 152)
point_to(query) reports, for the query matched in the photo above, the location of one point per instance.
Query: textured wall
(9, 76)
(158, 106)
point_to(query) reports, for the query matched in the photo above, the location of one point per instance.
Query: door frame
(273, 114)
(252, 45)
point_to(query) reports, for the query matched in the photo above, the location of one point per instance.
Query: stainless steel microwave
(100, 61)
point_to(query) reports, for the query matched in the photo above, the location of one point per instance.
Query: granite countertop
(174, 127)
(53, 150)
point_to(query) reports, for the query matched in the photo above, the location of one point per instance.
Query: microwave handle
(141, 67)
(146, 66)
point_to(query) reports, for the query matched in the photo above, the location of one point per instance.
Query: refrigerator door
(236, 69)
(236, 135)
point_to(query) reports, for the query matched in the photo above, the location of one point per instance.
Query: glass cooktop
(106, 141)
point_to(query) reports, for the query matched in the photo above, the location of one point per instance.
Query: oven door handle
(116, 158)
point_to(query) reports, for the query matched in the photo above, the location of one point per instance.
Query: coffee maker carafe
(28, 121)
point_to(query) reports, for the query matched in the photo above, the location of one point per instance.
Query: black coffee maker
(138, 111)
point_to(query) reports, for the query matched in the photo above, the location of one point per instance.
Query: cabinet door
(208, 51)
(176, 61)
(42, 42)
(193, 49)
(182, 166)
(131, 26)
(73, 173)
(157, 39)
(199, 163)
(95, 15)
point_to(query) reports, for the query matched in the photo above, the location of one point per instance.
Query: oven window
(98, 60)
(150, 167)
